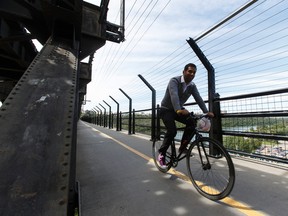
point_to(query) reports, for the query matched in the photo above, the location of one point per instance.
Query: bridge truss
(42, 95)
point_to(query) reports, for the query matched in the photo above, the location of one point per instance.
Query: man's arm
(200, 102)
(174, 95)
(199, 99)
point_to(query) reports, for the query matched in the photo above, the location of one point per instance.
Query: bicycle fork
(205, 163)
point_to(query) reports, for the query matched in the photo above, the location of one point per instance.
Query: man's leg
(168, 118)
(187, 135)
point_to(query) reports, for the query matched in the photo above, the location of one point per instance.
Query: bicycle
(210, 167)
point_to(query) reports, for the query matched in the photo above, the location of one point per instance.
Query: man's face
(189, 74)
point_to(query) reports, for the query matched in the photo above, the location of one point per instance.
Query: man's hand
(210, 114)
(182, 112)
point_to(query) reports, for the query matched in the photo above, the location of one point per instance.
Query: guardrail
(254, 124)
(238, 139)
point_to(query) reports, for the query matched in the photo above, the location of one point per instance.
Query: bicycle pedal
(174, 164)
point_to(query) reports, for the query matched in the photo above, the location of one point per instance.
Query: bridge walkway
(117, 177)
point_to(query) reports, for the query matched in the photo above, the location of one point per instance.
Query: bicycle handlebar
(199, 116)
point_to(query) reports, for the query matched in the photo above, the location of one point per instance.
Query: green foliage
(242, 143)
(257, 125)
(267, 125)
(264, 125)
(87, 116)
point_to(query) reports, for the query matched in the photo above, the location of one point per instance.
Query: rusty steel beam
(38, 136)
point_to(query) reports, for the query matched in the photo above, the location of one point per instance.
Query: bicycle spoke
(213, 176)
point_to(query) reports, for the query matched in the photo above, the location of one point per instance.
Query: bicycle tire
(155, 152)
(214, 182)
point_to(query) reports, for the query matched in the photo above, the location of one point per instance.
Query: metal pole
(100, 116)
(109, 116)
(130, 111)
(153, 121)
(97, 116)
(122, 17)
(133, 125)
(158, 123)
(216, 131)
(120, 120)
(117, 115)
(105, 120)
(94, 117)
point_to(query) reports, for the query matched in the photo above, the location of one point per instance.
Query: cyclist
(178, 91)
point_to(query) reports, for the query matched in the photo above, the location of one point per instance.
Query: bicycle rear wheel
(155, 152)
(210, 168)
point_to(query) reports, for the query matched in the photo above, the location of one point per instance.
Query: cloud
(163, 27)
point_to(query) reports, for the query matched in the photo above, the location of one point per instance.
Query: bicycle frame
(175, 158)
(206, 165)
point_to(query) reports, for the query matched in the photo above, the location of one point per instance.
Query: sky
(249, 52)
(153, 30)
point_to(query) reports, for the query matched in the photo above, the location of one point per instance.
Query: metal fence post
(130, 111)
(112, 120)
(100, 120)
(109, 115)
(158, 128)
(133, 124)
(153, 121)
(117, 114)
(97, 117)
(94, 117)
(120, 121)
(216, 131)
(104, 120)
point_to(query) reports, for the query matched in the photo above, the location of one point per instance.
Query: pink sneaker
(161, 160)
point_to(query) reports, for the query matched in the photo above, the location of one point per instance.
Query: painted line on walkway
(245, 209)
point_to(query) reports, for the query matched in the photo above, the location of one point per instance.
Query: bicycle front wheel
(210, 168)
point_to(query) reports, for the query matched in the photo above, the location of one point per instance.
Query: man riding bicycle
(179, 89)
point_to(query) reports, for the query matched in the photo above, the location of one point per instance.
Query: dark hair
(190, 65)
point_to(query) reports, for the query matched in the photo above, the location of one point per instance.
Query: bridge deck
(117, 177)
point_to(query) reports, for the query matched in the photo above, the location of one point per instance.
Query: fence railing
(257, 129)
(258, 134)
(247, 91)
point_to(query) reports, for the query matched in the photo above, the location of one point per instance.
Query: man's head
(190, 65)
(189, 72)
